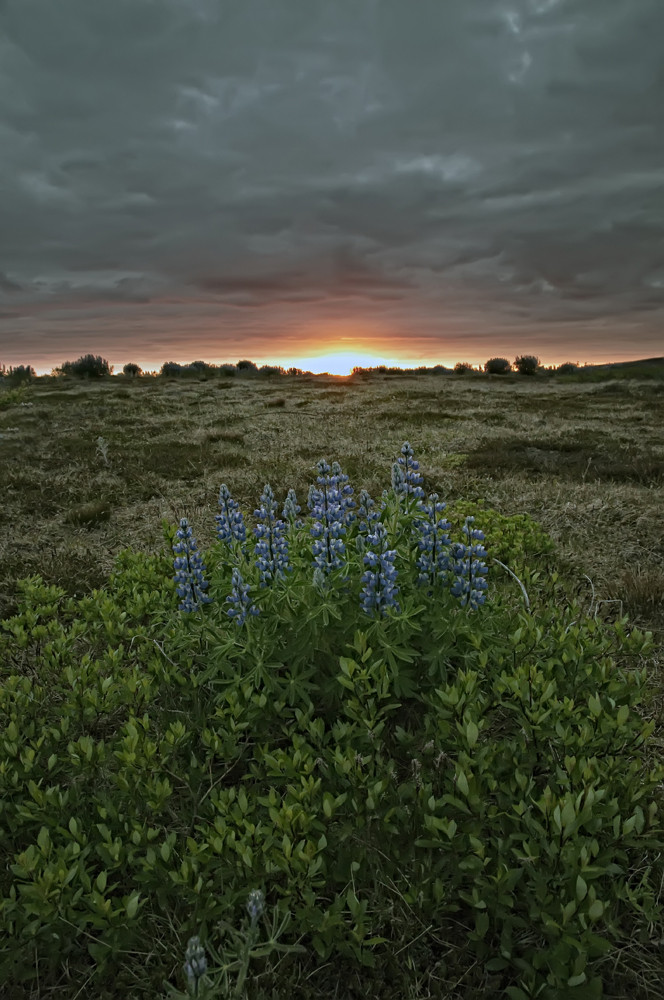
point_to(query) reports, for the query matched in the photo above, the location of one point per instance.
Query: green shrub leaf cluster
(466, 791)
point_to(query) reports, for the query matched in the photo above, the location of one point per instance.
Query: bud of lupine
(255, 905)
(189, 570)
(412, 478)
(398, 478)
(271, 549)
(239, 597)
(195, 963)
(434, 561)
(230, 522)
(468, 567)
(379, 590)
(328, 510)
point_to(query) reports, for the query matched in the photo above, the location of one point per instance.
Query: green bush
(465, 792)
(527, 364)
(497, 366)
(87, 366)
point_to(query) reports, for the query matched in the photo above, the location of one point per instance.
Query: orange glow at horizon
(343, 362)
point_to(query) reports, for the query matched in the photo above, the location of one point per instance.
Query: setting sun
(343, 362)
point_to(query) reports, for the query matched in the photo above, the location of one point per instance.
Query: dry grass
(586, 460)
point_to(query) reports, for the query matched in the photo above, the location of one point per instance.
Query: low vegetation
(312, 754)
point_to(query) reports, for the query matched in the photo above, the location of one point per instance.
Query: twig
(523, 589)
(593, 590)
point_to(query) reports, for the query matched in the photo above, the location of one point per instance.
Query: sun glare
(343, 362)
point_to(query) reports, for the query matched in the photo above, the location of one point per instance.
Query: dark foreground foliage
(431, 802)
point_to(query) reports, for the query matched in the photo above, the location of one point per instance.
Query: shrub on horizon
(18, 374)
(132, 370)
(87, 366)
(527, 364)
(171, 369)
(567, 368)
(246, 367)
(497, 366)
(462, 368)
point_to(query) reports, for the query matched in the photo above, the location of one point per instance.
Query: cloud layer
(196, 177)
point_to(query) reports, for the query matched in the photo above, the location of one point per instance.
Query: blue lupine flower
(239, 598)
(292, 509)
(366, 512)
(189, 570)
(379, 590)
(195, 963)
(347, 502)
(271, 549)
(408, 484)
(469, 568)
(433, 561)
(230, 523)
(255, 905)
(329, 507)
(398, 479)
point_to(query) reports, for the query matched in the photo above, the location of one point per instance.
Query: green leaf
(596, 909)
(623, 715)
(472, 734)
(581, 888)
(577, 980)
(44, 840)
(131, 908)
(462, 782)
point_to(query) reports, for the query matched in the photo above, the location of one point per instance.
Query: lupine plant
(469, 567)
(189, 570)
(226, 977)
(330, 509)
(379, 587)
(334, 520)
(271, 549)
(433, 561)
(241, 603)
(230, 522)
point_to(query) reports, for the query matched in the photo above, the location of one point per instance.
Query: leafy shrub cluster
(375, 768)
(17, 374)
(87, 366)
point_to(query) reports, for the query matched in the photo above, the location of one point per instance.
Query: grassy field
(91, 468)
(585, 460)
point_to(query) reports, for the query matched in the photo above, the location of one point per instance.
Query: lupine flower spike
(469, 568)
(433, 561)
(271, 549)
(407, 475)
(239, 599)
(292, 509)
(189, 570)
(195, 964)
(255, 905)
(230, 522)
(329, 508)
(379, 590)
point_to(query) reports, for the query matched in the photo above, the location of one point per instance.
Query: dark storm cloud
(496, 164)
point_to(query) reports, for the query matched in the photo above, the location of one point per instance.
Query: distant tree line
(91, 366)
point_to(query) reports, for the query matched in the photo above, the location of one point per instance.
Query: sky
(409, 182)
